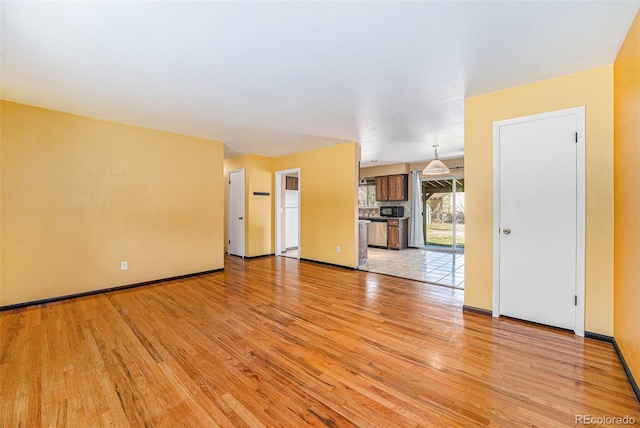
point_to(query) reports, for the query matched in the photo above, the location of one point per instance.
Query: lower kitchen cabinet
(398, 233)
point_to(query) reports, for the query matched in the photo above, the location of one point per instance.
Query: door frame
(579, 113)
(278, 208)
(244, 184)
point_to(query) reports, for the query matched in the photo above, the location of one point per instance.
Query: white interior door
(235, 244)
(538, 235)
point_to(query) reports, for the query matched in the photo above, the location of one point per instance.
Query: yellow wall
(258, 209)
(627, 198)
(591, 88)
(1, 121)
(80, 195)
(328, 202)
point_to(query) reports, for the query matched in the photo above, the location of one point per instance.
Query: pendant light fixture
(436, 167)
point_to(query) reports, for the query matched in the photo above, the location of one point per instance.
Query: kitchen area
(383, 201)
(384, 211)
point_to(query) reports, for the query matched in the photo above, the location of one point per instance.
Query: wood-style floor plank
(277, 342)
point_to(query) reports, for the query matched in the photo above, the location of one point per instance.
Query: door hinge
(576, 137)
(229, 241)
(575, 300)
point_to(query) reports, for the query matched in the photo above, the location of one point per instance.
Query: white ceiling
(274, 78)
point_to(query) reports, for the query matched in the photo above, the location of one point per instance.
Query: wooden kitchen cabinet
(392, 187)
(382, 188)
(398, 233)
(398, 187)
(291, 183)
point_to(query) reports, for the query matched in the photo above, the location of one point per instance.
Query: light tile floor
(435, 267)
(290, 253)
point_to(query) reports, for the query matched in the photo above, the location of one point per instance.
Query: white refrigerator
(291, 207)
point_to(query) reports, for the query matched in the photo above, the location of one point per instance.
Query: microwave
(391, 211)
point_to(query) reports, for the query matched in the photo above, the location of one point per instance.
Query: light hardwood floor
(277, 342)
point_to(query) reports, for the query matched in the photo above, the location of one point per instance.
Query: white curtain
(416, 237)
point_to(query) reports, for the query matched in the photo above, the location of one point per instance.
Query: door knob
(506, 231)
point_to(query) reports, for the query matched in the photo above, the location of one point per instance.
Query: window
(367, 196)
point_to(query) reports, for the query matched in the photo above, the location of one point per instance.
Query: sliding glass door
(443, 210)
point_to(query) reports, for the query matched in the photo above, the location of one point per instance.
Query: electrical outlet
(338, 249)
(124, 265)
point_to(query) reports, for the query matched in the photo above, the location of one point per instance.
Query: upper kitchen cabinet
(291, 183)
(382, 188)
(392, 187)
(399, 187)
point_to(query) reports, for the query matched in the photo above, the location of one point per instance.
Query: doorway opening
(441, 260)
(287, 213)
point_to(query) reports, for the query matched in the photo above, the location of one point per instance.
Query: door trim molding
(579, 113)
(244, 208)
